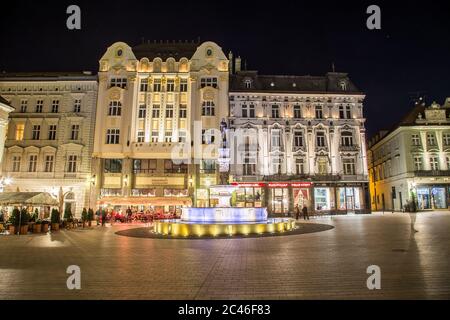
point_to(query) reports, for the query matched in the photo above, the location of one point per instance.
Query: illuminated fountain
(222, 220)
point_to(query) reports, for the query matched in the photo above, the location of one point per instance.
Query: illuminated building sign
(273, 184)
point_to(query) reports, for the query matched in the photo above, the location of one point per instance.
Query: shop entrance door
(280, 201)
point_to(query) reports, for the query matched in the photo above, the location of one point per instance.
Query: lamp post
(208, 184)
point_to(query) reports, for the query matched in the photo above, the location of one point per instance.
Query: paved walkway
(327, 265)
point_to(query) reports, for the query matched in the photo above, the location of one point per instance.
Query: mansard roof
(47, 76)
(332, 82)
(166, 49)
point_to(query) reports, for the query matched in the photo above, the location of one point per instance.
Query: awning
(27, 198)
(148, 201)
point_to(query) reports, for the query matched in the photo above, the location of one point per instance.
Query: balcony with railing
(348, 148)
(432, 173)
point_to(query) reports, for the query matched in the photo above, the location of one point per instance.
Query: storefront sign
(301, 184)
(277, 185)
(249, 184)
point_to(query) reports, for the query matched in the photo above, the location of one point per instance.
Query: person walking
(103, 212)
(297, 212)
(305, 213)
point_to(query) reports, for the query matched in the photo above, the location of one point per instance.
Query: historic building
(410, 165)
(49, 139)
(157, 105)
(298, 140)
(5, 109)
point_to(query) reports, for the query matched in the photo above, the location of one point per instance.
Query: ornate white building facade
(411, 163)
(298, 141)
(5, 109)
(50, 134)
(156, 105)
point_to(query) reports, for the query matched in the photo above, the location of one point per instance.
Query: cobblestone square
(324, 265)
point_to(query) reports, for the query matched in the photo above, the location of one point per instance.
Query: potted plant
(68, 217)
(24, 219)
(44, 227)
(84, 217)
(37, 227)
(90, 216)
(13, 222)
(55, 219)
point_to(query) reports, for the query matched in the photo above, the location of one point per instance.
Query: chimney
(230, 62)
(237, 65)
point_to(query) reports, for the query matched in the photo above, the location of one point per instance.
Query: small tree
(55, 216)
(68, 214)
(14, 219)
(35, 215)
(24, 217)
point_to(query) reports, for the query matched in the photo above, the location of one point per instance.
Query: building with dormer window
(410, 165)
(300, 140)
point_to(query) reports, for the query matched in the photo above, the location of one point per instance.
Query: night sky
(410, 55)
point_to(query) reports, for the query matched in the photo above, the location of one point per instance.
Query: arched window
(115, 108)
(208, 108)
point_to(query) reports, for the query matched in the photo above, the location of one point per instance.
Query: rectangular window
(112, 165)
(170, 86)
(208, 108)
(39, 106)
(140, 136)
(49, 160)
(431, 139)
(183, 85)
(299, 166)
(276, 138)
(16, 163)
(77, 105)
(174, 167)
(434, 163)
(52, 132)
(320, 139)
(155, 111)
(115, 108)
(446, 139)
(142, 111)
(319, 112)
(32, 163)
(119, 82)
(75, 132)
(144, 165)
(55, 106)
(208, 136)
(20, 129)
(298, 139)
(275, 111)
(155, 136)
(112, 136)
(36, 133)
(168, 136)
(418, 163)
(208, 166)
(23, 106)
(346, 139)
(297, 112)
(144, 85)
(72, 164)
(248, 111)
(169, 111)
(182, 136)
(183, 111)
(208, 82)
(415, 140)
(349, 166)
(157, 85)
(348, 112)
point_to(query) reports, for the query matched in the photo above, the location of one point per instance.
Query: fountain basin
(179, 228)
(224, 215)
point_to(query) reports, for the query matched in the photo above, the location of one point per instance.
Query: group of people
(304, 212)
(131, 214)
